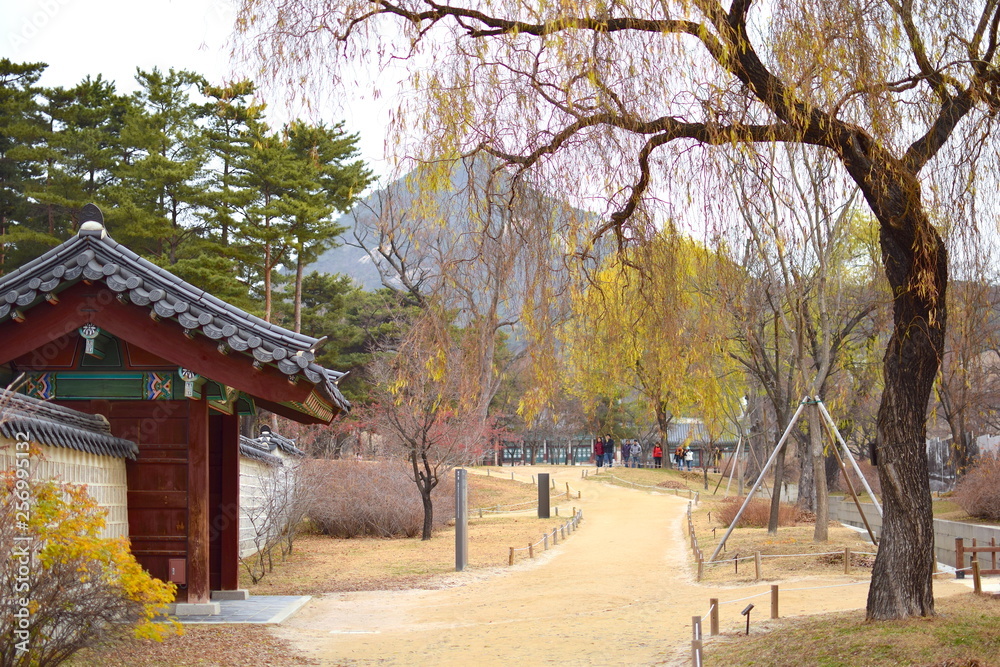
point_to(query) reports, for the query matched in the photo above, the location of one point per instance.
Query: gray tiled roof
(57, 426)
(93, 255)
(286, 445)
(267, 443)
(680, 432)
(256, 449)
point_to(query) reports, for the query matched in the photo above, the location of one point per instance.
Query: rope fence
(758, 558)
(714, 605)
(568, 493)
(694, 495)
(558, 533)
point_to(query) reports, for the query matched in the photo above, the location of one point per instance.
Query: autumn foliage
(64, 587)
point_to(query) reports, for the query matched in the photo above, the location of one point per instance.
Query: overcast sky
(113, 37)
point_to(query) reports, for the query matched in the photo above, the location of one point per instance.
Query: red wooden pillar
(199, 589)
(229, 506)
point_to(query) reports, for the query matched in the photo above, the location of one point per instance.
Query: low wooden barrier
(974, 550)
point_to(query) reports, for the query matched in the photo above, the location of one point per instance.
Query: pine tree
(331, 181)
(274, 175)
(22, 133)
(81, 149)
(160, 198)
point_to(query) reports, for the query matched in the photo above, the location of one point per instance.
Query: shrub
(63, 586)
(371, 498)
(757, 514)
(978, 492)
(871, 476)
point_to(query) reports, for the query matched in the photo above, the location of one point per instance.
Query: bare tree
(449, 235)
(426, 410)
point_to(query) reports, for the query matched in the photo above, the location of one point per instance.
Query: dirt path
(618, 591)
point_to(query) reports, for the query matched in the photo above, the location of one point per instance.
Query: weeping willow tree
(629, 106)
(646, 325)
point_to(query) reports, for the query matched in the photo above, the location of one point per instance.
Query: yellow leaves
(436, 365)
(398, 385)
(64, 529)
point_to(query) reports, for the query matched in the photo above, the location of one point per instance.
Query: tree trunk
(267, 282)
(916, 265)
(779, 474)
(806, 499)
(663, 419)
(820, 499)
(299, 268)
(425, 496)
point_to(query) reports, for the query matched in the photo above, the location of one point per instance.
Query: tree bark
(820, 498)
(779, 474)
(297, 306)
(425, 496)
(915, 263)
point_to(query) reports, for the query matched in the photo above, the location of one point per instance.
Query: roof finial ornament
(92, 221)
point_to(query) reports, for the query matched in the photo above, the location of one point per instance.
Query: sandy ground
(619, 591)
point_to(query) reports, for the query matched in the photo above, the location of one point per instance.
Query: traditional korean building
(92, 326)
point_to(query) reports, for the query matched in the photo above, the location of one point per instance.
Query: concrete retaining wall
(945, 532)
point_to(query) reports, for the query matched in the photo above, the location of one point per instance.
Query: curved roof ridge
(93, 255)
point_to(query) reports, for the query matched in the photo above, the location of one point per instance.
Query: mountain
(434, 207)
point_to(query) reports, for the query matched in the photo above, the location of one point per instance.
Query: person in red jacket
(657, 456)
(599, 451)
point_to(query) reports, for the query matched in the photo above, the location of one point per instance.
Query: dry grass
(201, 645)
(963, 634)
(664, 478)
(789, 541)
(322, 564)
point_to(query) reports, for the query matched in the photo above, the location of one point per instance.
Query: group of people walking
(683, 456)
(629, 454)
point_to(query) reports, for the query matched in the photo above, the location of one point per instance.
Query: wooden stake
(713, 618)
(847, 560)
(510, 560)
(756, 565)
(959, 557)
(696, 641)
(531, 550)
(977, 583)
(774, 601)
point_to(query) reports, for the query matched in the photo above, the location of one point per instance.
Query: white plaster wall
(257, 479)
(104, 477)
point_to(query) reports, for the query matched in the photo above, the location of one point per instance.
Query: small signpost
(461, 519)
